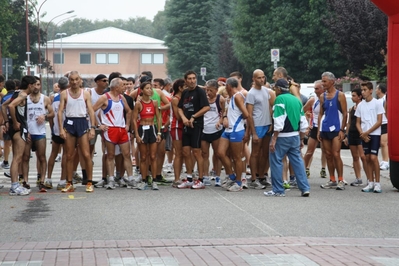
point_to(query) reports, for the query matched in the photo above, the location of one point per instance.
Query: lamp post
(61, 57)
(27, 34)
(38, 27)
(46, 31)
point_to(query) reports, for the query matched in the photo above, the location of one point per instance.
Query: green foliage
(375, 72)
(294, 27)
(7, 20)
(159, 25)
(188, 36)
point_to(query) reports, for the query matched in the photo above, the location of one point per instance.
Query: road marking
(169, 261)
(386, 261)
(25, 263)
(279, 259)
(72, 197)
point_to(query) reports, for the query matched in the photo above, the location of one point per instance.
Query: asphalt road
(170, 213)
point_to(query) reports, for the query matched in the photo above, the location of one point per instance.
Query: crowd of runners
(153, 128)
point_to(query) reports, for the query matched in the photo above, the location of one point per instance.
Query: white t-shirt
(368, 112)
(384, 117)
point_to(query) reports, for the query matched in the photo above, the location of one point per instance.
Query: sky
(101, 9)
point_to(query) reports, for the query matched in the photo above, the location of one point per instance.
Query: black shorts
(384, 129)
(372, 146)
(76, 126)
(192, 137)
(57, 139)
(168, 140)
(6, 136)
(212, 137)
(313, 133)
(329, 135)
(354, 138)
(148, 133)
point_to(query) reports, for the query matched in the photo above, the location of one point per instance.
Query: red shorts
(176, 133)
(116, 135)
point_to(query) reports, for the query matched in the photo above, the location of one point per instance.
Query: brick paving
(248, 251)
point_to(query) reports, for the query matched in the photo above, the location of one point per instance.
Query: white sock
(62, 182)
(111, 178)
(130, 178)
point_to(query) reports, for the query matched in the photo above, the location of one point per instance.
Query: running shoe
(185, 184)
(101, 183)
(384, 166)
(19, 191)
(68, 188)
(48, 184)
(61, 186)
(273, 194)
(235, 188)
(377, 188)
(58, 158)
(7, 174)
(77, 178)
(110, 185)
(206, 180)
(142, 186)
(329, 184)
(26, 185)
(5, 165)
(307, 172)
(42, 188)
(244, 183)
(305, 194)
(369, 187)
(255, 184)
(162, 179)
(218, 183)
(198, 185)
(89, 187)
(154, 186)
(175, 184)
(323, 173)
(341, 185)
(228, 183)
(357, 182)
(286, 185)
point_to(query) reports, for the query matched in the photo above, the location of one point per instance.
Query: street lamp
(38, 27)
(46, 31)
(61, 61)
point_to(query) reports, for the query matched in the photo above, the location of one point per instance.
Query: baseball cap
(100, 76)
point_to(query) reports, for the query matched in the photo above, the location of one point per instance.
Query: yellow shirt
(4, 91)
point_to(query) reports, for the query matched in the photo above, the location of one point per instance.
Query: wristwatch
(193, 116)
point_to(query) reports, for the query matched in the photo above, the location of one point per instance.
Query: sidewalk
(247, 251)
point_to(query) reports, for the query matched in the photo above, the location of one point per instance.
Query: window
(146, 58)
(107, 58)
(85, 58)
(152, 59)
(101, 58)
(113, 58)
(57, 58)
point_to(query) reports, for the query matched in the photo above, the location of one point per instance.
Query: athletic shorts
(234, 136)
(168, 140)
(176, 133)
(313, 133)
(354, 138)
(6, 136)
(384, 129)
(212, 137)
(116, 135)
(35, 138)
(261, 131)
(57, 139)
(192, 137)
(148, 133)
(76, 126)
(329, 135)
(372, 146)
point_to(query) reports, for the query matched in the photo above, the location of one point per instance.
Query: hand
(40, 119)
(301, 144)
(341, 135)
(346, 141)
(272, 145)
(63, 134)
(16, 126)
(127, 128)
(318, 137)
(255, 138)
(225, 123)
(139, 140)
(91, 133)
(103, 128)
(190, 122)
(158, 138)
(246, 138)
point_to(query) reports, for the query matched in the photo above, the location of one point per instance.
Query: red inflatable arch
(391, 8)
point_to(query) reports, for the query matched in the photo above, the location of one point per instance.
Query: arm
(90, 111)
(21, 97)
(100, 103)
(159, 121)
(135, 115)
(175, 109)
(4, 107)
(344, 110)
(251, 124)
(128, 113)
(164, 100)
(321, 113)
(60, 111)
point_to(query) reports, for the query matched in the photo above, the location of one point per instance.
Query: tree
(159, 25)
(7, 20)
(188, 36)
(292, 26)
(360, 29)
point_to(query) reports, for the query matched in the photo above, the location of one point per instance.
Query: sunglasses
(104, 80)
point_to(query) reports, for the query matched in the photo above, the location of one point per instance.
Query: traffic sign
(275, 55)
(203, 71)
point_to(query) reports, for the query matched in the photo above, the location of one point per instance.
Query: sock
(59, 154)
(158, 177)
(243, 175)
(232, 177)
(130, 178)
(323, 168)
(14, 185)
(111, 178)
(340, 178)
(47, 180)
(62, 182)
(239, 183)
(117, 174)
(201, 179)
(84, 174)
(371, 184)
(332, 179)
(5, 162)
(189, 178)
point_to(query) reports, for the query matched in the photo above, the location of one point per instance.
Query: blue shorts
(37, 137)
(76, 126)
(234, 136)
(372, 146)
(261, 131)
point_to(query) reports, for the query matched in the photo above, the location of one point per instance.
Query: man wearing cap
(289, 130)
